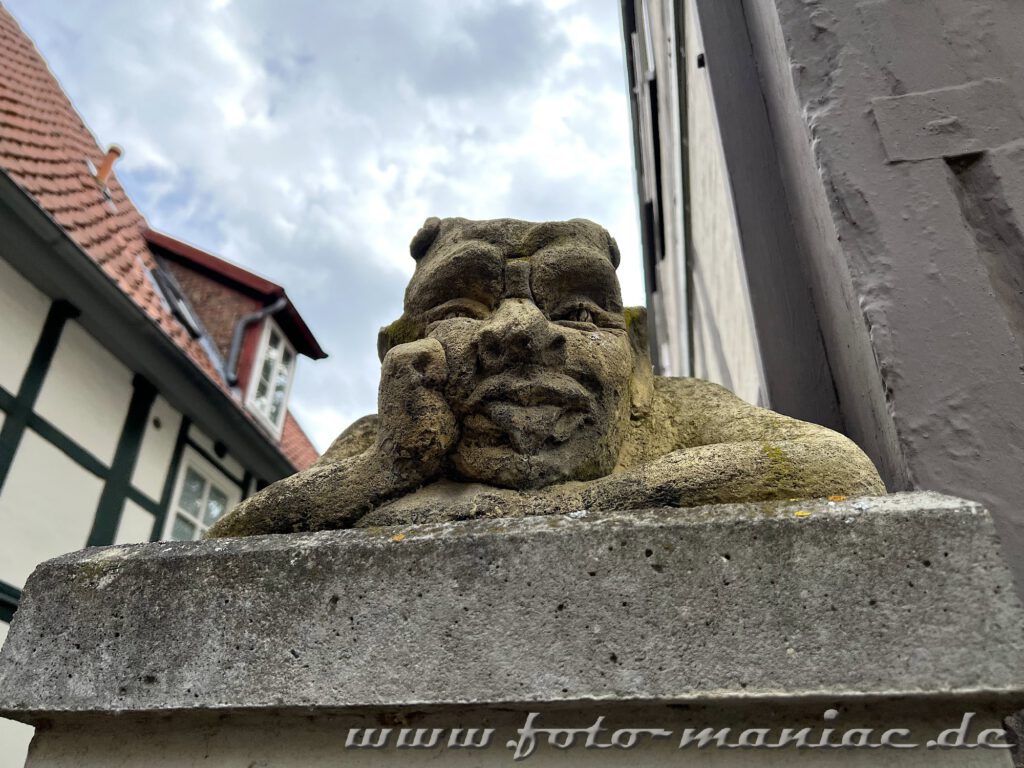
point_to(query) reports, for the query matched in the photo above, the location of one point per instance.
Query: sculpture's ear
(425, 238)
(641, 385)
(399, 332)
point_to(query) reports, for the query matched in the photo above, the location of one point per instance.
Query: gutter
(37, 247)
(239, 333)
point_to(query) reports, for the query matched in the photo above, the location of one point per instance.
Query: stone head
(545, 366)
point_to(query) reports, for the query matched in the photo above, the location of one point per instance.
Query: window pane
(182, 530)
(275, 409)
(280, 388)
(215, 505)
(265, 374)
(262, 397)
(192, 492)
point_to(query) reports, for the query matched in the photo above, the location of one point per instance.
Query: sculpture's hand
(417, 428)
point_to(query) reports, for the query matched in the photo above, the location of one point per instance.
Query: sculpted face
(538, 354)
(515, 370)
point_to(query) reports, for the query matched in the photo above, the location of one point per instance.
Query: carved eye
(579, 315)
(452, 310)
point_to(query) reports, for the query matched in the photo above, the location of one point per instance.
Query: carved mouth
(527, 414)
(527, 430)
(544, 391)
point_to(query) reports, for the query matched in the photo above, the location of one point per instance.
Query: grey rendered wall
(725, 345)
(794, 358)
(900, 139)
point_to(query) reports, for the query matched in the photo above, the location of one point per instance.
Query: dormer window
(271, 379)
(176, 301)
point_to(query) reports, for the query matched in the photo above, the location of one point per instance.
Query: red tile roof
(289, 319)
(44, 146)
(295, 445)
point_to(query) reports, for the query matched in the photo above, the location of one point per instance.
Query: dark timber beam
(19, 411)
(115, 490)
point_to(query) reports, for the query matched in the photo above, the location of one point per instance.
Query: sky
(308, 140)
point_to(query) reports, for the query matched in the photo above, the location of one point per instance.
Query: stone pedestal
(882, 613)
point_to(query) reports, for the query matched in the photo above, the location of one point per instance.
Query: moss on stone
(402, 331)
(781, 475)
(632, 316)
(101, 564)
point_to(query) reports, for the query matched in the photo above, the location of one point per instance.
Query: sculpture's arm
(415, 430)
(823, 464)
(703, 474)
(358, 437)
(726, 419)
(731, 451)
(326, 496)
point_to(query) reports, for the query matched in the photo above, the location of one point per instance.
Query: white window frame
(192, 459)
(254, 377)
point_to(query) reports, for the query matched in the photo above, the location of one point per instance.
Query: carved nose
(518, 333)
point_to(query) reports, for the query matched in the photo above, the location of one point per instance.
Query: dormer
(250, 322)
(267, 369)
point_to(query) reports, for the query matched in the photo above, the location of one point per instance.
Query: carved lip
(542, 390)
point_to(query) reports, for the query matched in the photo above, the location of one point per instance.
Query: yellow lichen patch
(837, 498)
(780, 476)
(402, 331)
(398, 537)
(632, 315)
(801, 513)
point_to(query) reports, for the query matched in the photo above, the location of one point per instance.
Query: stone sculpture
(515, 383)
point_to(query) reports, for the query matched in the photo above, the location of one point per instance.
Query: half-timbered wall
(90, 453)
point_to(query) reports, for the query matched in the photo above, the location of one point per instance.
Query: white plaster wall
(14, 737)
(86, 393)
(14, 741)
(675, 354)
(723, 319)
(136, 524)
(23, 311)
(157, 449)
(47, 508)
(206, 443)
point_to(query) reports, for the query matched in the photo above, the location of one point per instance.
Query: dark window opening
(9, 599)
(175, 297)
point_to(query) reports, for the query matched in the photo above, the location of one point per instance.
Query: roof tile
(296, 445)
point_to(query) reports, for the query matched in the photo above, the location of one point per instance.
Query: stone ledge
(903, 595)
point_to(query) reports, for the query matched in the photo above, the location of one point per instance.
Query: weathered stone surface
(903, 595)
(515, 383)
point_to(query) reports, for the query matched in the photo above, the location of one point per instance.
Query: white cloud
(309, 140)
